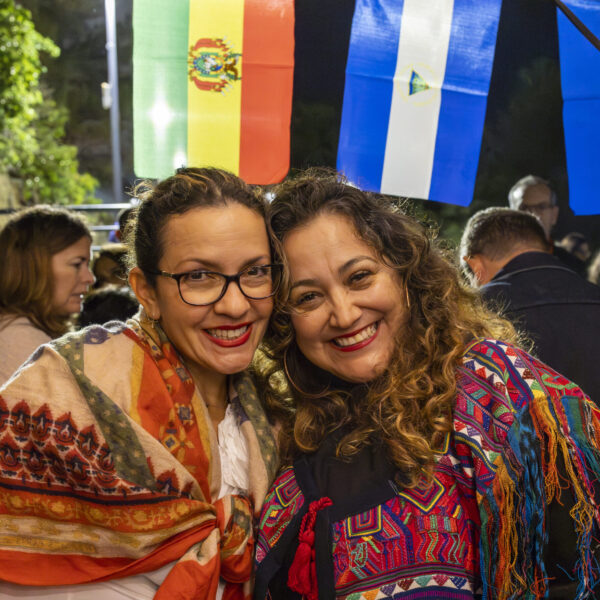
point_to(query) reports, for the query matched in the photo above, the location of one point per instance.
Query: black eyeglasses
(536, 208)
(201, 288)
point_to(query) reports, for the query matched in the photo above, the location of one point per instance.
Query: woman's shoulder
(104, 353)
(19, 338)
(95, 337)
(520, 425)
(497, 383)
(515, 374)
(21, 326)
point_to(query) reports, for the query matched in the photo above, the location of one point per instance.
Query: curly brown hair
(409, 406)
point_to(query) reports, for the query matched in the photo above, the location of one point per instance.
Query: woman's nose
(233, 303)
(344, 312)
(87, 275)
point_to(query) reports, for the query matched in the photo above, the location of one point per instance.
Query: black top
(369, 479)
(558, 309)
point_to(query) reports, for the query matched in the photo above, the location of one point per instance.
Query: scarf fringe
(527, 481)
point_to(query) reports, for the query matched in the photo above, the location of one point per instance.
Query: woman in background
(45, 272)
(426, 459)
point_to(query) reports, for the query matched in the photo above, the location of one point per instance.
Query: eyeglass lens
(535, 208)
(202, 287)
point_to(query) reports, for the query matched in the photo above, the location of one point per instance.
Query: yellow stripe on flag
(216, 34)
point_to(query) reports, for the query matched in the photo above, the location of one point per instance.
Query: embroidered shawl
(109, 467)
(524, 437)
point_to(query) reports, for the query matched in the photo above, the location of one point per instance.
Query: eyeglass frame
(228, 279)
(534, 208)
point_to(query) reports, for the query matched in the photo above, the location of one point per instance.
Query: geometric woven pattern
(425, 542)
(282, 503)
(52, 451)
(92, 488)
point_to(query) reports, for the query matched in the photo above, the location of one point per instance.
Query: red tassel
(302, 576)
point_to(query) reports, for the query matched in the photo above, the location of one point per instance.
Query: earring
(152, 319)
(296, 387)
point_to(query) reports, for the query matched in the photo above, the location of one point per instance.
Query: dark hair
(409, 406)
(516, 192)
(115, 252)
(28, 241)
(577, 244)
(124, 219)
(108, 304)
(189, 188)
(497, 232)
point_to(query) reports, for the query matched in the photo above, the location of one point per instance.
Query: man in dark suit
(506, 253)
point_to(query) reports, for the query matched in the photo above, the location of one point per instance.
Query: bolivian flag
(212, 86)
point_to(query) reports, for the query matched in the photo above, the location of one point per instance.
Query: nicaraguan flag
(417, 79)
(580, 82)
(212, 86)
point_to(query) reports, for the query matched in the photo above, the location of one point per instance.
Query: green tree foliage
(31, 123)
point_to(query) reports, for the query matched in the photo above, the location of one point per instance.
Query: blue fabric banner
(580, 82)
(417, 79)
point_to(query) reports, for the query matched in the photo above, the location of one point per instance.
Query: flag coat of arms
(417, 79)
(212, 86)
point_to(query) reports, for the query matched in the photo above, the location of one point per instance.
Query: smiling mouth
(229, 335)
(357, 339)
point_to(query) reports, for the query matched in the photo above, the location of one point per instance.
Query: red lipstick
(230, 343)
(356, 346)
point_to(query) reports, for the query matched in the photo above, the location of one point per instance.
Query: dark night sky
(523, 126)
(527, 32)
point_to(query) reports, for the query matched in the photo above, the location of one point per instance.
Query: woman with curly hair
(425, 458)
(45, 273)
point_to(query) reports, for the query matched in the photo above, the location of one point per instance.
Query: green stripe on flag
(160, 50)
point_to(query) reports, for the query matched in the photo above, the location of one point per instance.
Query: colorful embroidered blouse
(522, 435)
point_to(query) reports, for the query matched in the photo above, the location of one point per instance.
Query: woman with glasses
(136, 456)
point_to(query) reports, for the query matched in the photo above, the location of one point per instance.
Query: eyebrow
(347, 265)
(209, 265)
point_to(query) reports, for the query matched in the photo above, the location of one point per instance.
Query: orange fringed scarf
(108, 469)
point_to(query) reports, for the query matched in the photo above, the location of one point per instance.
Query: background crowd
(507, 251)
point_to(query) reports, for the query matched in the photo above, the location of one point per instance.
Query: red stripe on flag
(267, 82)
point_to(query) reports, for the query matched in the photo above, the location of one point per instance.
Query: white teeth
(228, 334)
(365, 334)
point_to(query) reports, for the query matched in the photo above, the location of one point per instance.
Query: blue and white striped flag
(580, 82)
(417, 79)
